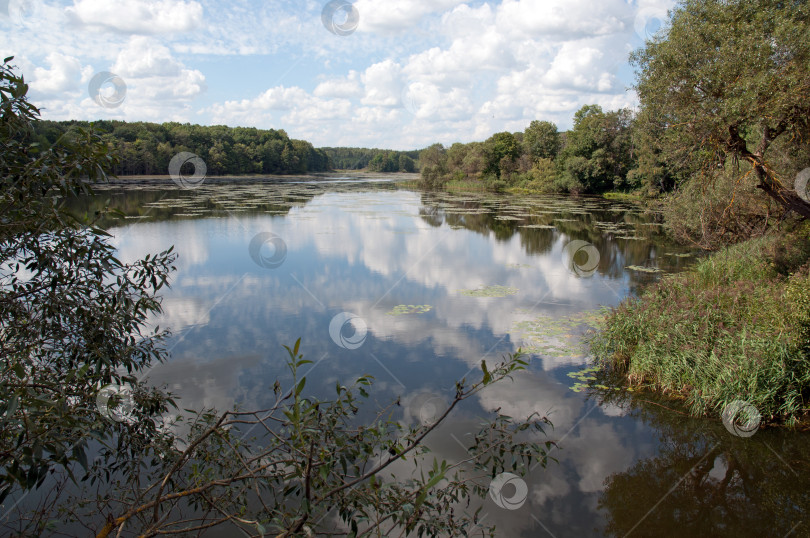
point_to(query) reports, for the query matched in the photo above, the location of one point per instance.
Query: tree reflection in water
(704, 481)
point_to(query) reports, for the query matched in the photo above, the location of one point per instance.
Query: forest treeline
(597, 155)
(376, 160)
(143, 148)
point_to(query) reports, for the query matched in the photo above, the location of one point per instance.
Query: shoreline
(314, 177)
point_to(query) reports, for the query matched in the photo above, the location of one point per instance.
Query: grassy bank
(735, 327)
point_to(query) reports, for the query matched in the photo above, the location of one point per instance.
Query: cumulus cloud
(158, 86)
(382, 84)
(487, 68)
(415, 72)
(384, 16)
(138, 16)
(290, 105)
(63, 75)
(566, 19)
(348, 86)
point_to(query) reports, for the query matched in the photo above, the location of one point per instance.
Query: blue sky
(378, 73)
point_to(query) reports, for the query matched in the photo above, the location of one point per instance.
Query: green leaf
(487, 376)
(300, 386)
(435, 479)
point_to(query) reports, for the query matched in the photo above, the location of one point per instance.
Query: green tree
(405, 163)
(729, 81)
(598, 152)
(71, 315)
(147, 148)
(474, 161)
(433, 163)
(377, 164)
(289, 160)
(541, 140)
(503, 150)
(312, 459)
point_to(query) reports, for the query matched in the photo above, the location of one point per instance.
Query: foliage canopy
(729, 81)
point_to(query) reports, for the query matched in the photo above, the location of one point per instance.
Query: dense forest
(376, 160)
(146, 148)
(143, 148)
(595, 156)
(620, 151)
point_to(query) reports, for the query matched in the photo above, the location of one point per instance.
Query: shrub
(728, 211)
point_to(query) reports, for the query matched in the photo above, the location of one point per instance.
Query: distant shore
(359, 175)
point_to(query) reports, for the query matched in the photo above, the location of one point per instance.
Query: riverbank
(468, 185)
(736, 327)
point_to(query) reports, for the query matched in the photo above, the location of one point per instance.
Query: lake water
(418, 288)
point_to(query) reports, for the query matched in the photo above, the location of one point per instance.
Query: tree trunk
(787, 197)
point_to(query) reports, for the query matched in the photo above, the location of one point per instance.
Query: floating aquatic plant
(403, 309)
(557, 337)
(583, 377)
(490, 291)
(643, 269)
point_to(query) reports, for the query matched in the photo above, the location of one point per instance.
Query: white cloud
(348, 86)
(460, 72)
(144, 58)
(158, 86)
(577, 66)
(63, 76)
(565, 19)
(138, 16)
(382, 84)
(384, 16)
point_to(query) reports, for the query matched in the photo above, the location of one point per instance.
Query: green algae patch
(490, 291)
(641, 269)
(405, 309)
(559, 338)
